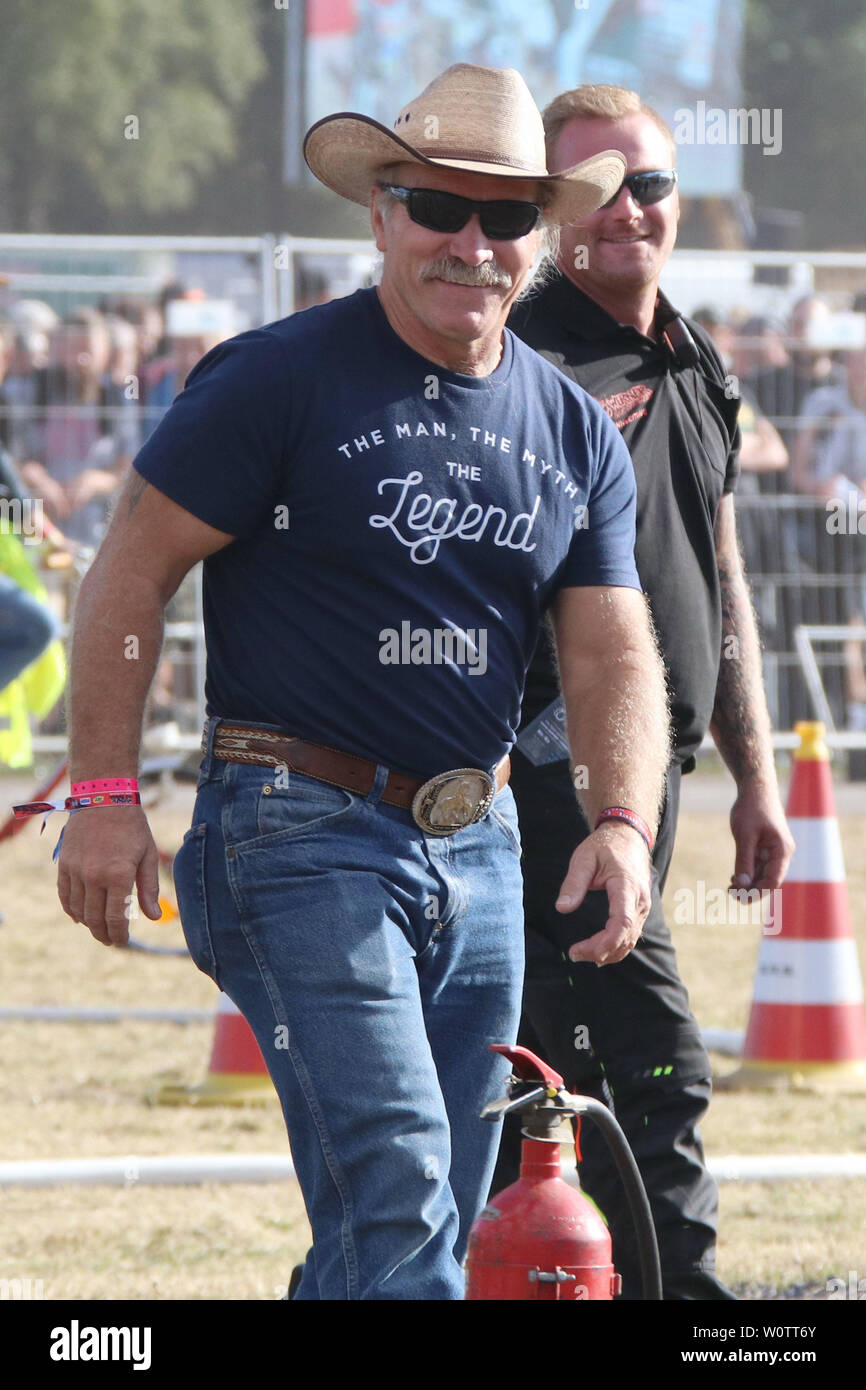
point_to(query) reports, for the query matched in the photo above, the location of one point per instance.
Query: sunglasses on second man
(502, 219)
(646, 189)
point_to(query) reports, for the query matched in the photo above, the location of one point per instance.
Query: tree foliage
(71, 76)
(808, 59)
(203, 78)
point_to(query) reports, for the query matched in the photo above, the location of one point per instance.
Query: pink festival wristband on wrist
(105, 784)
(630, 818)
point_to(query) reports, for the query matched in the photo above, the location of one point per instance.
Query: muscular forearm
(117, 639)
(741, 723)
(151, 544)
(618, 721)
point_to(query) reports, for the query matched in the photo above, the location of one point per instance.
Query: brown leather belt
(440, 806)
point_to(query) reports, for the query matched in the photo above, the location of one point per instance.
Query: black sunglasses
(502, 219)
(647, 188)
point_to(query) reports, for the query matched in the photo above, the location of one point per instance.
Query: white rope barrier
(728, 1041)
(132, 1171)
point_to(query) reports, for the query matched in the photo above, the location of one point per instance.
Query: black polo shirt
(668, 400)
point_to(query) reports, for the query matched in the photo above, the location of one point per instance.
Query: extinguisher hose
(648, 1250)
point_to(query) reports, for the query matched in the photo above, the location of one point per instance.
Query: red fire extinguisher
(541, 1239)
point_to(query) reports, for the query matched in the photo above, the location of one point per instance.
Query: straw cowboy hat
(476, 120)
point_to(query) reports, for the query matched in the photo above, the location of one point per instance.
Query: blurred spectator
(781, 388)
(185, 350)
(32, 316)
(311, 287)
(176, 354)
(720, 330)
(76, 461)
(762, 449)
(122, 389)
(804, 547)
(157, 361)
(759, 347)
(829, 458)
(7, 339)
(829, 462)
(26, 367)
(765, 544)
(194, 324)
(146, 318)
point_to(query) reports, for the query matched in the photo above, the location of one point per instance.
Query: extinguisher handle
(527, 1100)
(527, 1066)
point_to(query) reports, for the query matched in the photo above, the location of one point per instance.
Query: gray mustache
(488, 275)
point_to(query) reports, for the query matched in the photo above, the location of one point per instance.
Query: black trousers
(622, 1033)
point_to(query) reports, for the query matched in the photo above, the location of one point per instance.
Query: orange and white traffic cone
(236, 1074)
(807, 1027)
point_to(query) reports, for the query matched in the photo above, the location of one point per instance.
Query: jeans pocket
(302, 805)
(506, 818)
(189, 883)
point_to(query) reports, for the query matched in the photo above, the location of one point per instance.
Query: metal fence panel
(805, 559)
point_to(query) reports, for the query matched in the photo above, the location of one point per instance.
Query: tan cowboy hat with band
(476, 120)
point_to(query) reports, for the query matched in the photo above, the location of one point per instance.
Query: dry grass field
(85, 1090)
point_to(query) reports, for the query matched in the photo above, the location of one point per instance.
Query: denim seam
(198, 831)
(455, 885)
(302, 1076)
(276, 837)
(303, 1079)
(506, 828)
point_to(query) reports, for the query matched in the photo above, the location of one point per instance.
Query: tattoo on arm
(740, 723)
(136, 489)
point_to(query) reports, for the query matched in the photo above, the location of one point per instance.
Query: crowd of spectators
(802, 386)
(81, 391)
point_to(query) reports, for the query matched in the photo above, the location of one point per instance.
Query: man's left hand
(764, 842)
(613, 858)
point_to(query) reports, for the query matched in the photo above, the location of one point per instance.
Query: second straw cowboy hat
(472, 119)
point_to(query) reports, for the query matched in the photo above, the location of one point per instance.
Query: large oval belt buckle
(452, 800)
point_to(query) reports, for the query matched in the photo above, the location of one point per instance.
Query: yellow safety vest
(38, 688)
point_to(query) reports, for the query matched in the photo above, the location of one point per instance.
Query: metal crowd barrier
(808, 586)
(807, 582)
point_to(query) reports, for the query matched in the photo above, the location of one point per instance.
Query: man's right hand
(105, 851)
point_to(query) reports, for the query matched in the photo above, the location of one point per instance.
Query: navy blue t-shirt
(399, 530)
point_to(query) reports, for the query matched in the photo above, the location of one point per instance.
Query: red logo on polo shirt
(627, 406)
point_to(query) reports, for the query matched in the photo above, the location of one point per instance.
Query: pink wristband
(631, 818)
(105, 784)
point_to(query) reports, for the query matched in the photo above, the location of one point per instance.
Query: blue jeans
(375, 965)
